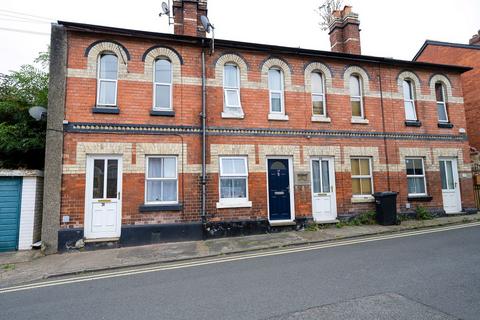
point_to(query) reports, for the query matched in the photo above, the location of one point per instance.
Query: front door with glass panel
(452, 202)
(279, 200)
(324, 204)
(103, 202)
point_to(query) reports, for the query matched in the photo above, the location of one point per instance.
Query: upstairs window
(356, 97)
(231, 89)
(107, 80)
(318, 95)
(441, 104)
(409, 102)
(162, 87)
(275, 84)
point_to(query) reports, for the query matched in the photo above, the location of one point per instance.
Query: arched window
(409, 101)
(162, 87)
(318, 95)
(356, 97)
(441, 103)
(107, 80)
(275, 85)
(231, 89)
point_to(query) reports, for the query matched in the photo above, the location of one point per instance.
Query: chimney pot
(475, 40)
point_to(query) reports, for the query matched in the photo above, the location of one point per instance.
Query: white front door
(324, 202)
(452, 202)
(103, 201)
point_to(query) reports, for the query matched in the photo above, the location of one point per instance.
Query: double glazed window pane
(416, 185)
(108, 67)
(439, 92)
(234, 166)
(162, 168)
(355, 90)
(107, 92)
(276, 102)
(407, 90)
(163, 71)
(414, 166)
(317, 83)
(99, 180)
(162, 96)
(231, 76)
(361, 186)
(356, 107)
(161, 190)
(233, 188)
(446, 172)
(321, 176)
(410, 110)
(232, 98)
(360, 167)
(275, 80)
(442, 112)
(317, 102)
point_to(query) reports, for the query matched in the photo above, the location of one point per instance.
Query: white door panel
(324, 204)
(452, 202)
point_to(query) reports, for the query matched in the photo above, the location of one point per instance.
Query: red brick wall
(135, 103)
(471, 81)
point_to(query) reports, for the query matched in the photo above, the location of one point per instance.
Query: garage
(10, 205)
(21, 193)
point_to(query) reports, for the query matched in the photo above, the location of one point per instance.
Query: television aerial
(166, 12)
(209, 28)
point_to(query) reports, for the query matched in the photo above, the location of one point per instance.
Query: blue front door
(10, 198)
(279, 189)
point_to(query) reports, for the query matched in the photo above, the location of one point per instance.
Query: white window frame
(100, 80)
(316, 94)
(170, 85)
(360, 97)
(417, 176)
(444, 102)
(363, 177)
(235, 89)
(281, 92)
(412, 100)
(232, 202)
(147, 163)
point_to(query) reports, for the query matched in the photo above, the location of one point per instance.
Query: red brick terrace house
(462, 55)
(290, 135)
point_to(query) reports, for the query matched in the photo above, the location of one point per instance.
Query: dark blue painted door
(279, 189)
(10, 198)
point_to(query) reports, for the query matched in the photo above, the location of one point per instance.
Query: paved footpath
(28, 266)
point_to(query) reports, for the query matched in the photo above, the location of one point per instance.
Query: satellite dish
(165, 8)
(38, 113)
(206, 23)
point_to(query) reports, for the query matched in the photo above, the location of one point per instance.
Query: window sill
(360, 121)
(228, 115)
(425, 198)
(106, 110)
(365, 199)
(226, 205)
(413, 123)
(321, 119)
(446, 125)
(277, 117)
(160, 207)
(162, 113)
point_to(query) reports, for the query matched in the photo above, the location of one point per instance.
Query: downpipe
(204, 139)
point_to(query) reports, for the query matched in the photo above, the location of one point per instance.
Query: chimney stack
(345, 31)
(475, 39)
(186, 17)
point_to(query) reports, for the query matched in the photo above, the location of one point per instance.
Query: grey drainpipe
(204, 138)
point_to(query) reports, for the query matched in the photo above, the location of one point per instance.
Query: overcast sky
(389, 28)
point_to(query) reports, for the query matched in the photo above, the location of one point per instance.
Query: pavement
(427, 274)
(28, 266)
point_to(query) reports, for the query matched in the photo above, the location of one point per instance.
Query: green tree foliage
(22, 138)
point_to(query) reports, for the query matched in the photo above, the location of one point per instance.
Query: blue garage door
(10, 199)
